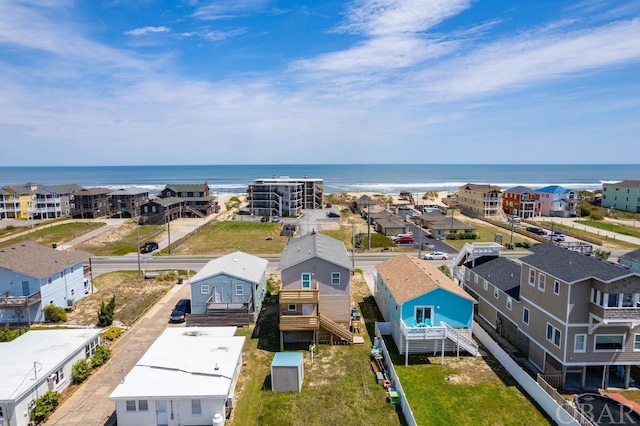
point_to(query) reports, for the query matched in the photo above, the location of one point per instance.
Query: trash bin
(54, 245)
(179, 280)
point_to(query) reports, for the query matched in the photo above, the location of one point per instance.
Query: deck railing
(299, 322)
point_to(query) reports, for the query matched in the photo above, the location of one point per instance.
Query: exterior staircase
(336, 329)
(194, 211)
(460, 339)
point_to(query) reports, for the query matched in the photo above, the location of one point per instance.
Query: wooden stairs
(336, 329)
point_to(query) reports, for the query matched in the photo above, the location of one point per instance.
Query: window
(1, 413)
(204, 289)
(542, 280)
(496, 294)
(239, 290)
(485, 285)
(556, 287)
(291, 308)
(196, 408)
(475, 278)
(143, 405)
(627, 300)
(636, 342)
(131, 405)
(509, 302)
(609, 342)
(612, 301)
(549, 332)
(335, 278)
(532, 277)
(468, 274)
(580, 343)
(554, 335)
(305, 280)
(525, 315)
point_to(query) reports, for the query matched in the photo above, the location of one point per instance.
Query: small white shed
(287, 372)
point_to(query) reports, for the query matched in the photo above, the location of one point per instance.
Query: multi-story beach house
(127, 202)
(557, 201)
(521, 201)
(18, 202)
(35, 201)
(480, 200)
(284, 196)
(623, 195)
(315, 298)
(196, 199)
(91, 203)
(574, 317)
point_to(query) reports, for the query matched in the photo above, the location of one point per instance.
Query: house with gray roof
(196, 199)
(127, 202)
(91, 203)
(33, 276)
(315, 298)
(521, 201)
(232, 284)
(574, 317)
(630, 260)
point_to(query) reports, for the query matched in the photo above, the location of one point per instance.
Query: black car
(332, 214)
(182, 307)
(148, 247)
(536, 230)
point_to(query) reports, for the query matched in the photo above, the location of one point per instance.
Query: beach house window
(509, 303)
(468, 274)
(485, 285)
(496, 294)
(475, 278)
(532, 277)
(627, 300)
(131, 405)
(609, 342)
(542, 279)
(580, 343)
(291, 308)
(525, 315)
(556, 287)
(1, 413)
(554, 335)
(239, 290)
(636, 342)
(612, 300)
(143, 405)
(335, 278)
(205, 289)
(305, 280)
(196, 408)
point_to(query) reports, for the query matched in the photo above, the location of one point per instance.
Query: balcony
(616, 315)
(299, 296)
(8, 302)
(246, 306)
(415, 332)
(299, 322)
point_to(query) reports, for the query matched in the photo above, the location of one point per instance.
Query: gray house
(631, 260)
(315, 299)
(236, 282)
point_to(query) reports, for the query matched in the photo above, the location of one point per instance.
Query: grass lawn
(58, 234)
(611, 226)
(607, 242)
(229, 236)
(486, 234)
(122, 240)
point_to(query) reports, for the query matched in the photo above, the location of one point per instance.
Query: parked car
(406, 239)
(179, 312)
(264, 219)
(148, 247)
(329, 205)
(514, 219)
(395, 237)
(332, 214)
(556, 236)
(275, 219)
(435, 255)
(536, 230)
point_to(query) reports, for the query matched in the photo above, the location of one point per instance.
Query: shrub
(524, 244)
(106, 312)
(7, 334)
(452, 236)
(80, 371)
(601, 254)
(468, 236)
(112, 333)
(445, 269)
(54, 314)
(595, 216)
(44, 406)
(509, 246)
(100, 356)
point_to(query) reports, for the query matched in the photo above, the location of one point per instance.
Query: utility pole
(138, 245)
(369, 224)
(353, 246)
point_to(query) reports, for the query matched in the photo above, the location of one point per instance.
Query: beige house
(480, 200)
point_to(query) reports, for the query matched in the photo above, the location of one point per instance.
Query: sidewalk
(90, 405)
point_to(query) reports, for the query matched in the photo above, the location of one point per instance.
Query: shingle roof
(632, 255)
(240, 265)
(130, 191)
(64, 189)
(313, 245)
(625, 184)
(501, 272)
(481, 187)
(187, 187)
(571, 266)
(519, 190)
(38, 261)
(94, 191)
(407, 277)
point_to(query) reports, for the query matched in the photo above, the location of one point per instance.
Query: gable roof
(632, 256)
(313, 245)
(38, 261)
(554, 189)
(130, 191)
(187, 187)
(64, 189)
(571, 266)
(94, 191)
(499, 271)
(481, 187)
(240, 265)
(520, 190)
(407, 277)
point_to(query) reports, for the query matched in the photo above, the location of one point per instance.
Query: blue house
(426, 311)
(236, 282)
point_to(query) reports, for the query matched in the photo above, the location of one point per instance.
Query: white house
(187, 377)
(36, 362)
(33, 276)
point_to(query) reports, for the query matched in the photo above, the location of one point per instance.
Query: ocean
(382, 178)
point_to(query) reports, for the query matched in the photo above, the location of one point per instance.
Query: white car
(435, 255)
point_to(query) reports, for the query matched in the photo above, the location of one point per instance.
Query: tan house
(480, 200)
(315, 299)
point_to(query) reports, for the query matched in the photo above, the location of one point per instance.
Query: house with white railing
(428, 313)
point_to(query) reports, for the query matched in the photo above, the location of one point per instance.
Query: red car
(404, 239)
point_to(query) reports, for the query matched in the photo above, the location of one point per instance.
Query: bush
(445, 270)
(524, 244)
(7, 334)
(595, 216)
(100, 356)
(601, 254)
(80, 371)
(509, 246)
(452, 236)
(44, 406)
(106, 312)
(112, 333)
(54, 314)
(468, 236)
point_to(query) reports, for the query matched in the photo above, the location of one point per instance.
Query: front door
(25, 288)
(423, 313)
(217, 294)
(161, 413)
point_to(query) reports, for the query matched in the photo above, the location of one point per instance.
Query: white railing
(460, 339)
(422, 333)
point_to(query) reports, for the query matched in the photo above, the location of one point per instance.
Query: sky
(159, 82)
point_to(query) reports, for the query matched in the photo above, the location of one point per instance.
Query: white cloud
(147, 30)
(212, 35)
(227, 9)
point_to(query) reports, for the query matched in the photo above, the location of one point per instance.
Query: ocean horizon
(382, 178)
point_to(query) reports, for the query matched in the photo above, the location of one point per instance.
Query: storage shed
(287, 372)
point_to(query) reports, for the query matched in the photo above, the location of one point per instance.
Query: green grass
(58, 234)
(607, 242)
(128, 243)
(612, 227)
(486, 233)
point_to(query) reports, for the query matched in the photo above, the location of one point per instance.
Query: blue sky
(110, 82)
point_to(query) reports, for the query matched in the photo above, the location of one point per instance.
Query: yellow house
(18, 202)
(480, 200)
